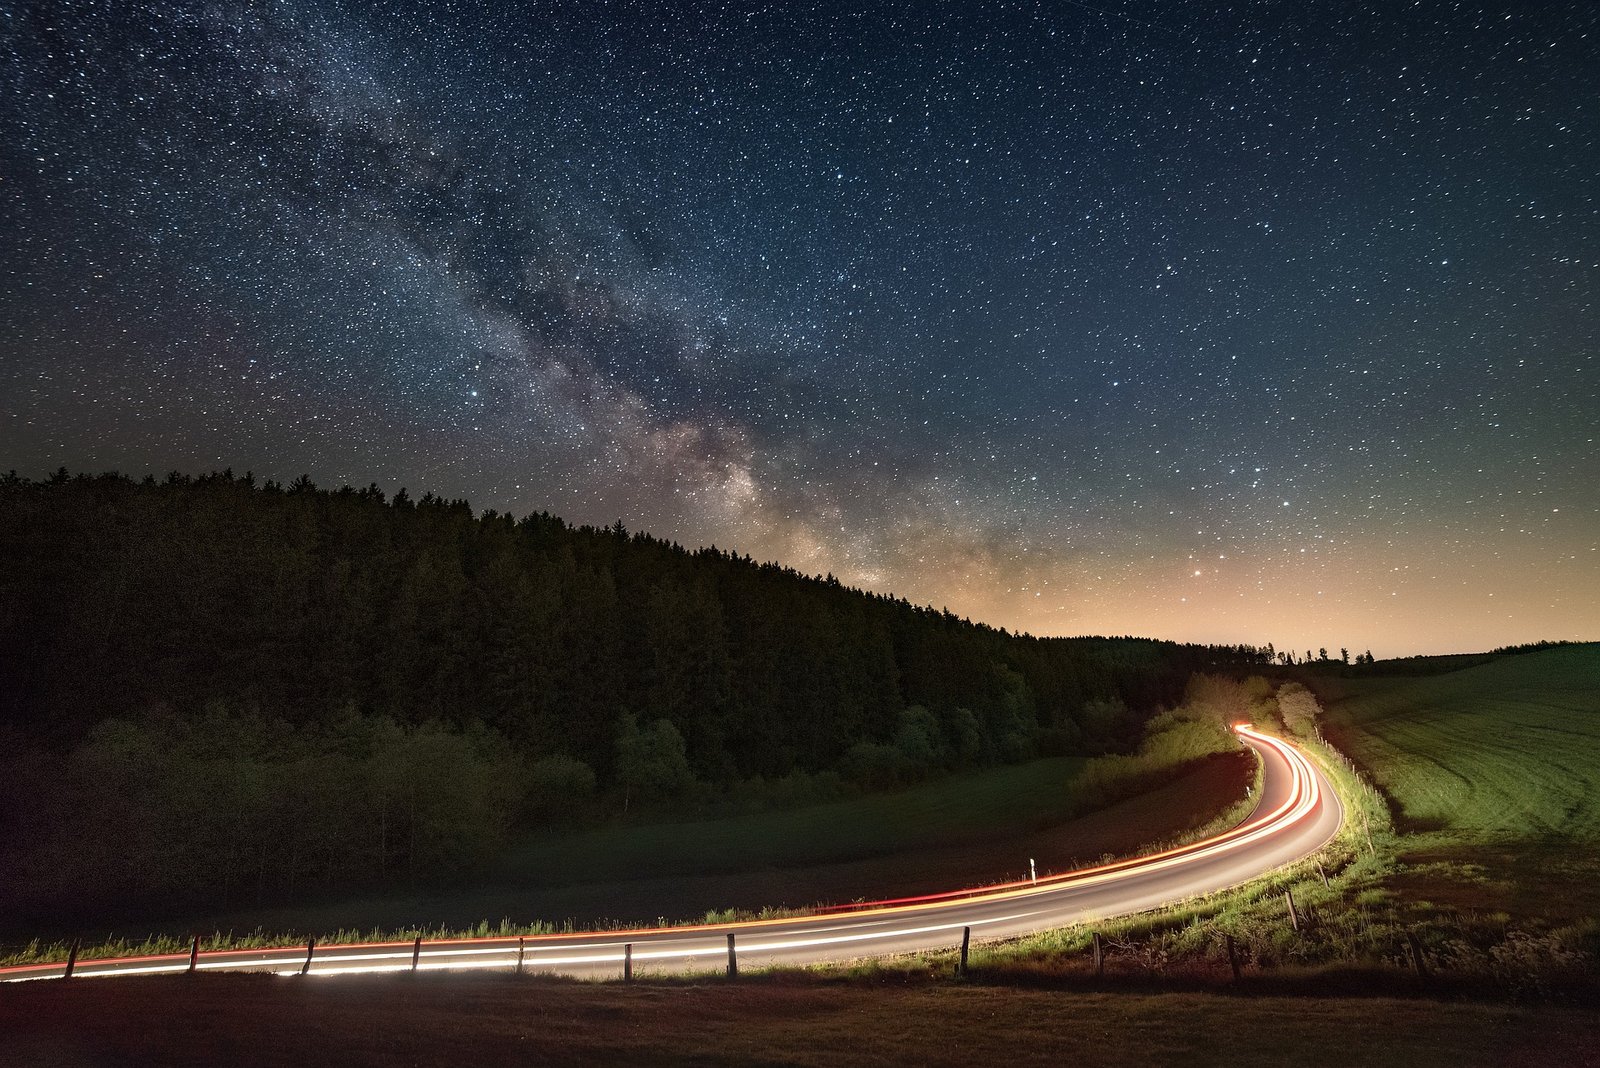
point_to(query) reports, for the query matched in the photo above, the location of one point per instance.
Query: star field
(1233, 322)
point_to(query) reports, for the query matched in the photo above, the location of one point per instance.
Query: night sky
(1243, 322)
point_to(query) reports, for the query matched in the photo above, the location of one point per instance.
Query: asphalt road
(1296, 814)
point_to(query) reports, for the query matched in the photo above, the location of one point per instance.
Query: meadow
(1450, 923)
(980, 826)
(970, 828)
(1509, 751)
(1493, 774)
(1470, 862)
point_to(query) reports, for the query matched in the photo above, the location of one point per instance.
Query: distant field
(1008, 803)
(972, 828)
(957, 809)
(1509, 749)
(1494, 773)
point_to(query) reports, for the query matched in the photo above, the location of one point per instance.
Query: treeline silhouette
(429, 679)
(1415, 666)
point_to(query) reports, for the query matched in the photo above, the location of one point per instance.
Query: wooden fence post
(1099, 957)
(966, 943)
(416, 953)
(1294, 917)
(1233, 958)
(311, 947)
(194, 954)
(1416, 954)
(522, 951)
(733, 960)
(72, 960)
(627, 963)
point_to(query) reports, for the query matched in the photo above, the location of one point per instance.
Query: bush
(874, 766)
(557, 787)
(653, 762)
(1172, 739)
(229, 801)
(1298, 708)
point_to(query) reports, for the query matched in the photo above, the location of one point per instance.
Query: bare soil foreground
(499, 1019)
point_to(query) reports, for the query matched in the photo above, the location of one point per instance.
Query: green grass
(961, 808)
(1490, 866)
(1494, 776)
(1005, 803)
(1502, 752)
(972, 828)
(1186, 941)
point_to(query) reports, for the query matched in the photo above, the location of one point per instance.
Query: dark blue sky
(1256, 321)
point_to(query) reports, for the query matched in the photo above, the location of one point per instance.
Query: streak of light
(818, 930)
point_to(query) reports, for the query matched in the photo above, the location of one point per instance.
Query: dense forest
(322, 685)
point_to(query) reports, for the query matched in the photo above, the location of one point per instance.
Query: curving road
(1296, 814)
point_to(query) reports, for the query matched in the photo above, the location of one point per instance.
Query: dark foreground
(485, 1020)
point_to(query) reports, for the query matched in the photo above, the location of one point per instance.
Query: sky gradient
(1244, 322)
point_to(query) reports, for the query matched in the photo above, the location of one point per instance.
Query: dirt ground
(483, 1020)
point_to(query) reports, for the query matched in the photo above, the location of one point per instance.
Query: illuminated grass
(1493, 869)
(1508, 750)
(1494, 773)
(1187, 941)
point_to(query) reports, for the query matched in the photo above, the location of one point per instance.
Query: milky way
(1243, 322)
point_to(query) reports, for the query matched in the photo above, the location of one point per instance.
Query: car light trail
(1296, 814)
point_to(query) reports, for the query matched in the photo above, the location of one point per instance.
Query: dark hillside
(120, 595)
(209, 686)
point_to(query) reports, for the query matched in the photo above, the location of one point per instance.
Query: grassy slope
(1507, 750)
(973, 828)
(490, 1020)
(1492, 867)
(1491, 771)
(961, 808)
(1494, 773)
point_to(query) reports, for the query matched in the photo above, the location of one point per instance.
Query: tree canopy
(254, 686)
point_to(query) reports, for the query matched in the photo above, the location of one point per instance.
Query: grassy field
(1488, 870)
(493, 1020)
(1478, 848)
(1505, 751)
(1011, 804)
(969, 829)
(961, 808)
(1494, 777)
